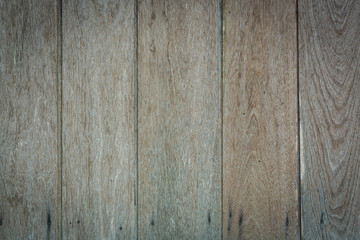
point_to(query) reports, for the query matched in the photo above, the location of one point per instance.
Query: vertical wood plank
(329, 58)
(179, 165)
(99, 180)
(28, 123)
(260, 190)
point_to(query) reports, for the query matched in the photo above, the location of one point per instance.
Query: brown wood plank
(99, 179)
(329, 61)
(28, 120)
(260, 181)
(179, 124)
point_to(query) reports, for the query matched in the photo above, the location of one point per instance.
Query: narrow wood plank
(179, 165)
(260, 120)
(99, 141)
(329, 60)
(28, 123)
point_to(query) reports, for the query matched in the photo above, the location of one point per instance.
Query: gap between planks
(136, 50)
(59, 99)
(221, 32)
(298, 118)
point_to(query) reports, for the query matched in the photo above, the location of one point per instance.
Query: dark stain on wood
(0, 220)
(322, 218)
(152, 222)
(229, 222)
(78, 221)
(240, 221)
(209, 217)
(48, 219)
(229, 225)
(48, 223)
(287, 222)
(120, 228)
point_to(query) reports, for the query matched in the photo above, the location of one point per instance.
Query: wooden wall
(192, 119)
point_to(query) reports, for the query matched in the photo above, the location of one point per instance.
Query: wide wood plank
(28, 120)
(99, 180)
(260, 190)
(179, 124)
(329, 58)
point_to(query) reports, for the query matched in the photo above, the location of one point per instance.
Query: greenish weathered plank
(179, 124)
(99, 179)
(329, 62)
(28, 120)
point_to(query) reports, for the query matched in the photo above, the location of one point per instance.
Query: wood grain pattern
(28, 124)
(99, 179)
(260, 190)
(179, 165)
(329, 58)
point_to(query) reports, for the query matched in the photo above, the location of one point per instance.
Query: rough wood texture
(28, 126)
(179, 165)
(98, 116)
(260, 120)
(329, 50)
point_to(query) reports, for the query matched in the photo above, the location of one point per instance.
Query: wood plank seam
(59, 115)
(221, 102)
(136, 74)
(298, 118)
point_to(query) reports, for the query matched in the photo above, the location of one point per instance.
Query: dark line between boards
(221, 81)
(59, 99)
(136, 47)
(298, 116)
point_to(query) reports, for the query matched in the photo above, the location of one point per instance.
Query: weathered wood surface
(179, 124)
(260, 183)
(99, 179)
(28, 125)
(179, 118)
(329, 58)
